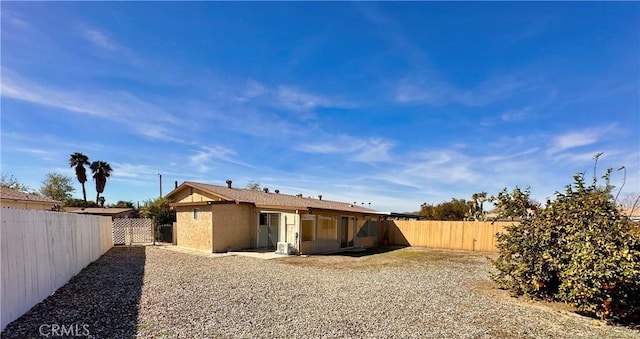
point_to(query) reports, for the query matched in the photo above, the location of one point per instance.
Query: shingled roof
(7, 193)
(272, 199)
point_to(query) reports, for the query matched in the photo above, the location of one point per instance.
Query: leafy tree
(515, 205)
(73, 202)
(79, 160)
(13, 183)
(101, 171)
(57, 187)
(456, 209)
(477, 208)
(159, 210)
(252, 185)
(578, 249)
(124, 204)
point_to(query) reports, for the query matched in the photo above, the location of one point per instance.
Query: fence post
(174, 235)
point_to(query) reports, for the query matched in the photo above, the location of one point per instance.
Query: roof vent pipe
(229, 183)
(266, 190)
(176, 183)
(319, 196)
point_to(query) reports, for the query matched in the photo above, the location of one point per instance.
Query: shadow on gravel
(363, 252)
(99, 302)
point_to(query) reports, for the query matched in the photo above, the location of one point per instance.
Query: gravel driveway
(152, 292)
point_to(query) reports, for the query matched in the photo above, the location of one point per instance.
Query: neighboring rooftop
(272, 199)
(110, 212)
(7, 193)
(631, 213)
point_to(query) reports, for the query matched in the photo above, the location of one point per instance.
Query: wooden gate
(129, 231)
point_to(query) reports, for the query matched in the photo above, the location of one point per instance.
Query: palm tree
(78, 160)
(101, 171)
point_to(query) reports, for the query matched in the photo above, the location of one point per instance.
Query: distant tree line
(456, 209)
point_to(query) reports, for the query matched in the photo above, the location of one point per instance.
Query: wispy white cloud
(99, 39)
(375, 150)
(508, 116)
(333, 145)
(574, 139)
(516, 115)
(42, 154)
(280, 96)
(128, 170)
(298, 100)
(207, 157)
(430, 88)
(252, 89)
(33, 151)
(445, 165)
(140, 116)
(14, 19)
(360, 149)
(391, 31)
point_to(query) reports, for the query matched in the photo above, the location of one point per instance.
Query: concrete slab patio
(258, 254)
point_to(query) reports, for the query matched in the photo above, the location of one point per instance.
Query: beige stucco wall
(365, 242)
(319, 246)
(26, 205)
(190, 194)
(234, 227)
(191, 233)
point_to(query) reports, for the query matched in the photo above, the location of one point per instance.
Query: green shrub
(577, 249)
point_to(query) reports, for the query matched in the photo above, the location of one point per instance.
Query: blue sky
(390, 103)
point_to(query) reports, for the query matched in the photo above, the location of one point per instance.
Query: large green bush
(578, 249)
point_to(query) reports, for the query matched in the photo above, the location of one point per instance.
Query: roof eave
(282, 207)
(311, 209)
(202, 203)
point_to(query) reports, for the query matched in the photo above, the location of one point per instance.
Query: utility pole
(160, 175)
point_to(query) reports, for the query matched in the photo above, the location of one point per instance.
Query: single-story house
(112, 212)
(16, 199)
(215, 218)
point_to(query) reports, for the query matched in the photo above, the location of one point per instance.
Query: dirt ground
(395, 256)
(379, 257)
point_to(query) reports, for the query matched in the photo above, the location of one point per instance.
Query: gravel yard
(153, 292)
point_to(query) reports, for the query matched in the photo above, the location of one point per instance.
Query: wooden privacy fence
(129, 231)
(41, 251)
(458, 235)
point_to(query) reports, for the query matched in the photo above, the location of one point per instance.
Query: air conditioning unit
(283, 248)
